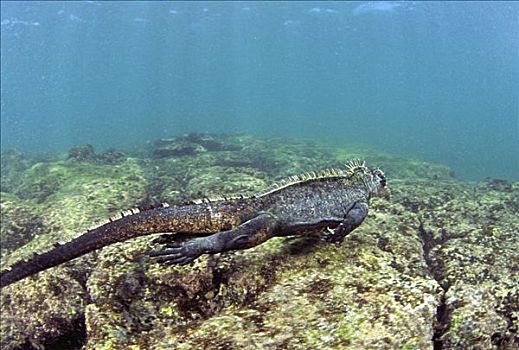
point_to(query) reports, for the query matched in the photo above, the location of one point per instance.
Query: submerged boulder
(82, 153)
(192, 144)
(210, 143)
(86, 153)
(50, 306)
(176, 148)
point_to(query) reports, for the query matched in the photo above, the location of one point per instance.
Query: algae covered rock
(191, 145)
(175, 148)
(86, 153)
(51, 305)
(207, 173)
(420, 273)
(471, 235)
(21, 221)
(286, 293)
(38, 313)
(82, 153)
(111, 156)
(211, 142)
(434, 268)
(217, 180)
(481, 269)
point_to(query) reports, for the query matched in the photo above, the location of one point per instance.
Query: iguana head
(377, 184)
(373, 179)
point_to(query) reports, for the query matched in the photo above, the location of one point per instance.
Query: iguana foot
(335, 235)
(180, 253)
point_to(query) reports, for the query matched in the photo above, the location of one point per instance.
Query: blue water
(436, 81)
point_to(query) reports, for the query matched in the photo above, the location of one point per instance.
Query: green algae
(21, 222)
(269, 290)
(45, 307)
(440, 247)
(474, 240)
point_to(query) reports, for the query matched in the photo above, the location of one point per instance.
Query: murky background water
(436, 81)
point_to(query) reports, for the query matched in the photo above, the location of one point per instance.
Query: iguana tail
(195, 218)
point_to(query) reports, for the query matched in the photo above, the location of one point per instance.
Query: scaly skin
(333, 202)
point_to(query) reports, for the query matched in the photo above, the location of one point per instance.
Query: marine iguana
(331, 203)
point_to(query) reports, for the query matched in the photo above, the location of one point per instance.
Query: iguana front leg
(247, 235)
(353, 218)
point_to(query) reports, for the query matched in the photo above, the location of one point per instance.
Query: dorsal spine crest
(351, 168)
(356, 165)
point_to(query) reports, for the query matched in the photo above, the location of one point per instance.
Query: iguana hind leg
(247, 235)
